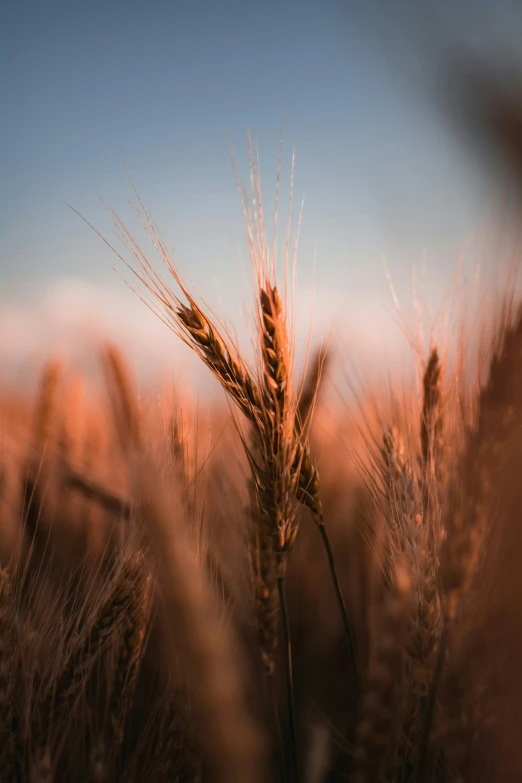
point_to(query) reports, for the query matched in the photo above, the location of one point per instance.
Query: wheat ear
(131, 647)
(45, 415)
(311, 387)
(123, 398)
(467, 525)
(87, 645)
(431, 419)
(273, 471)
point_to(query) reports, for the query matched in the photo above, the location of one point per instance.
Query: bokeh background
(391, 189)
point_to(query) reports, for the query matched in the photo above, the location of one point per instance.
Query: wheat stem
(277, 724)
(339, 595)
(428, 711)
(294, 758)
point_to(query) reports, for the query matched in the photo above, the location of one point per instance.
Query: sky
(160, 89)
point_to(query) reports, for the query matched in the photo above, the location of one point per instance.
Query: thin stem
(333, 572)
(421, 775)
(280, 746)
(289, 681)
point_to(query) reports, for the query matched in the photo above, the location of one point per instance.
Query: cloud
(72, 318)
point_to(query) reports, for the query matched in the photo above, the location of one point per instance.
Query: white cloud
(72, 318)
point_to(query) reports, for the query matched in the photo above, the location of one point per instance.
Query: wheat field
(243, 596)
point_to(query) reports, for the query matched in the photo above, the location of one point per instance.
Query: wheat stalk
(123, 398)
(264, 582)
(376, 728)
(228, 736)
(7, 678)
(46, 408)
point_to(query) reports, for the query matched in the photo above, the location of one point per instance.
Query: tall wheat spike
(412, 534)
(275, 478)
(252, 392)
(210, 340)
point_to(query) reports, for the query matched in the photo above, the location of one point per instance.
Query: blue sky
(157, 86)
